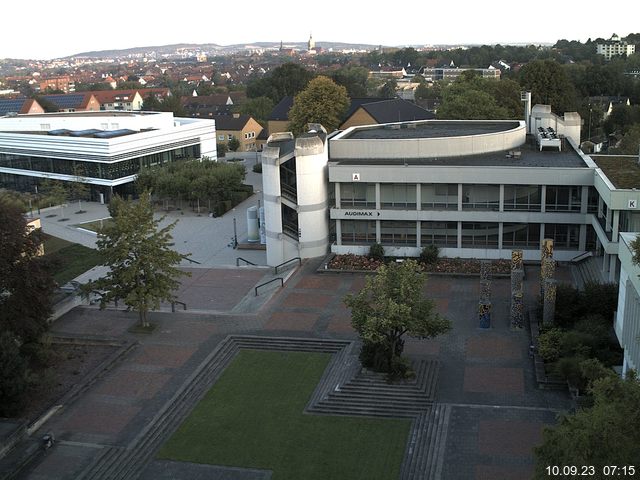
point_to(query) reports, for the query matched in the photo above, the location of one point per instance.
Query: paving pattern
(481, 422)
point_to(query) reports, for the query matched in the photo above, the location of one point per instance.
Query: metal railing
(267, 283)
(582, 256)
(185, 257)
(244, 260)
(288, 261)
(173, 305)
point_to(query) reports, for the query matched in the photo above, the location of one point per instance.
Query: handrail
(186, 257)
(288, 261)
(244, 260)
(581, 256)
(173, 305)
(267, 283)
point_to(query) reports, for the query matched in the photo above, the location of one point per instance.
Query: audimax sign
(361, 213)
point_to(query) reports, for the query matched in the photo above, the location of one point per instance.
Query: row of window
(109, 171)
(474, 197)
(473, 234)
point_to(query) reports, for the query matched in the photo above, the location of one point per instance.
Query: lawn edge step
(362, 413)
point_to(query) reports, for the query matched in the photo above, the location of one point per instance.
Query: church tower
(311, 44)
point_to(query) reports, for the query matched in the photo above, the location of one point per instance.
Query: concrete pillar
(459, 199)
(549, 302)
(337, 192)
(378, 200)
(459, 234)
(543, 202)
(338, 232)
(582, 241)
(607, 223)
(613, 264)
(501, 202)
(378, 232)
(500, 232)
(584, 199)
(615, 224)
(418, 197)
(418, 234)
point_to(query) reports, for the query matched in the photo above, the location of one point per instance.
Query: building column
(338, 232)
(615, 225)
(543, 200)
(600, 203)
(378, 201)
(459, 234)
(338, 199)
(501, 201)
(582, 239)
(584, 199)
(459, 199)
(418, 234)
(613, 264)
(418, 197)
(607, 223)
(378, 232)
(541, 233)
(500, 231)
(605, 262)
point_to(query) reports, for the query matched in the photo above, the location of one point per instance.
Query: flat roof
(430, 129)
(622, 170)
(97, 113)
(530, 156)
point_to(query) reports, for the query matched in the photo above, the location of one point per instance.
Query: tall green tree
(259, 108)
(392, 305)
(286, 80)
(630, 143)
(25, 284)
(143, 268)
(321, 102)
(549, 84)
(388, 90)
(606, 434)
(353, 78)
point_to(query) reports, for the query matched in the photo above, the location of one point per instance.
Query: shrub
(257, 168)
(569, 368)
(568, 305)
(429, 254)
(376, 252)
(13, 375)
(600, 299)
(221, 149)
(549, 344)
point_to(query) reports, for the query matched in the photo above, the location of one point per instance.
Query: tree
(606, 434)
(259, 108)
(354, 79)
(388, 90)
(142, 266)
(286, 80)
(549, 84)
(13, 374)
(321, 102)
(233, 144)
(78, 188)
(25, 284)
(390, 305)
(630, 143)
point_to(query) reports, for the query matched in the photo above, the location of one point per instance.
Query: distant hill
(215, 48)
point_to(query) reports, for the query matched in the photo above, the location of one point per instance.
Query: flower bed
(443, 265)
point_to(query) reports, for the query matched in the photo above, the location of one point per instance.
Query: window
(479, 235)
(398, 233)
(230, 137)
(522, 198)
(358, 232)
(221, 138)
(439, 196)
(565, 237)
(526, 235)
(357, 195)
(442, 234)
(398, 196)
(563, 199)
(481, 197)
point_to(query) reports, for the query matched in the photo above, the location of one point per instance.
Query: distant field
(253, 417)
(68, 260)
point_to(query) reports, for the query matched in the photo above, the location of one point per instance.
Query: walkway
(492, 412)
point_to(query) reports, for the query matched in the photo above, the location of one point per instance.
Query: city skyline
(54, 33)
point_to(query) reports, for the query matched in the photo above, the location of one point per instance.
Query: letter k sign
(633, 204)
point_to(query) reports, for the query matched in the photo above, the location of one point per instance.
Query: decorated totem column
(517, 290)
(549, 302)
(484, 306)
(547, 283)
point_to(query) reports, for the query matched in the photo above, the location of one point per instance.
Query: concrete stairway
(589, 271)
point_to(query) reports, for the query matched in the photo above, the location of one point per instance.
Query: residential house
(74, 102)
(64, 83)
(242, 127)
(615, 47)
(386, 111)
(126, 100)
(19, 105)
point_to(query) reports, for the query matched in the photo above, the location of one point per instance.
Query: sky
(45, 30)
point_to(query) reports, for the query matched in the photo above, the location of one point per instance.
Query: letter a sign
(355, 177)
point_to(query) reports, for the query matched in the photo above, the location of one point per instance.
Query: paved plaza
(486, 378)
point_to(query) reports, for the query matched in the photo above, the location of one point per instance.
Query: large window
(563, 199)
(526, 235)
(479, 235)
(522, 197)
(357, 195)
(442, 234)
(398, 233)
(358, 232)
(592, 203)
(481, 197)
(400, 196)
(288, 182)
(565, 237)
(290, 221)
(439, 196)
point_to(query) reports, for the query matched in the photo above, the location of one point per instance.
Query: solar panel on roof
(84, 133)
(71, 100)
(11, 105)
(114, 133)
(59, 132)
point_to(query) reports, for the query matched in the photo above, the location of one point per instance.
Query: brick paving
(486, 376)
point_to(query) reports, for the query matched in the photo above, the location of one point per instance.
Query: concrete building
(615, 47)
(106, 148)
(446, 73)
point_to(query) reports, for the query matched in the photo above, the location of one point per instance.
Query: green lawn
(95, 225)
(68, 260)
(252, 417)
